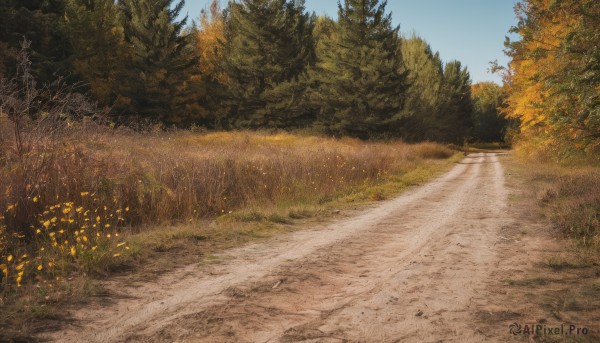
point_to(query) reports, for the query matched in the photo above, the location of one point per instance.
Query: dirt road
(418, 268)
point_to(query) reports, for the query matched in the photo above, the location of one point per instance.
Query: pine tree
(40, 22)
(457, 108)
(358, 82)
(163, 56)
(96, 35)
(268, 44)
(423, 103)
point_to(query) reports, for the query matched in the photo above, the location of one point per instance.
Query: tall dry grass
(174, 176)
(153, 178)
(575, 203)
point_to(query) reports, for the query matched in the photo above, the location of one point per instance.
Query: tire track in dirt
(412, 269)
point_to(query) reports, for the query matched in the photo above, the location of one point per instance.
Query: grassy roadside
(160, 249)
(203, 193)
(559, 205)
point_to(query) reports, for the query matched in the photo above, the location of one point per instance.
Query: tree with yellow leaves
(210, 38)
(554, 76)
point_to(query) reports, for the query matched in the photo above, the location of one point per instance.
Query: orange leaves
(547, 91)
(209, 42)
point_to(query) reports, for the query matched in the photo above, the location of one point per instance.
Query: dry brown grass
(578, 207)
(570, 198)
(164, 178)
(175, 176)
(564, 199)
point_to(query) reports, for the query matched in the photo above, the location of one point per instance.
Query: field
(94, 201)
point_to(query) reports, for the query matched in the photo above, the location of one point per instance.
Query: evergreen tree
(96, 35)
(41, 22)
(162, 58)
(457, 107)
(358, 80)
(268, 44)
(423, 103)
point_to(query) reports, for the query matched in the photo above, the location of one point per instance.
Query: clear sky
(471, 31)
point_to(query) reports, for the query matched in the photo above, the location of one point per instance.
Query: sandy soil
(424, 267)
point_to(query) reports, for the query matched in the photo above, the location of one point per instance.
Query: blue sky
(471, 31)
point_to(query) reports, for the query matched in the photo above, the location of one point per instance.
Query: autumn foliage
(210, 38)
(554, 76)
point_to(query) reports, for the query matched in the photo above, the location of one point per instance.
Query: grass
(563, 286)
(570, 198)
(119, 202)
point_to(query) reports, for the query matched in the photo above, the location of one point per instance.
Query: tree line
(254, 64)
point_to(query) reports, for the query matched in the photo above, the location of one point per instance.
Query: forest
(255, 64)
